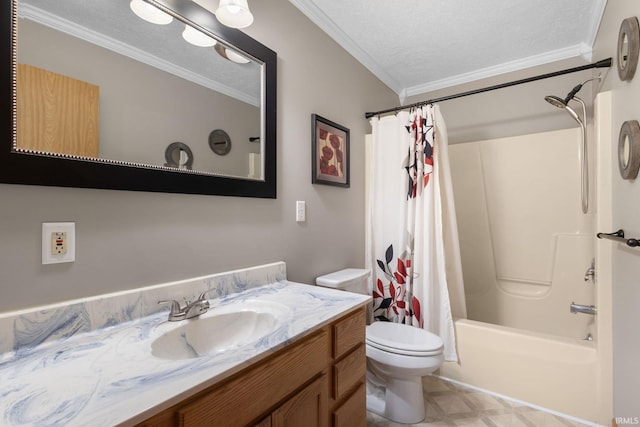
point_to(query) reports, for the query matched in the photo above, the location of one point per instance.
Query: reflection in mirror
(623, 50)
(98, 93)
(179, 155)
(147, 93)
(220, 142)
(626, 152)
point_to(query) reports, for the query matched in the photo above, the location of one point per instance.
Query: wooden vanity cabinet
(315, 381)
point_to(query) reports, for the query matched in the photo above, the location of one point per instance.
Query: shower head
(556, 101)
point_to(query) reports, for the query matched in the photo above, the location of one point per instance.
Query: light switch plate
(301, 211)
(58, 242)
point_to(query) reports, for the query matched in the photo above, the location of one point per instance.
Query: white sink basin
(219, 329)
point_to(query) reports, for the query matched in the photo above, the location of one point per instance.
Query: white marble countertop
(110, 377)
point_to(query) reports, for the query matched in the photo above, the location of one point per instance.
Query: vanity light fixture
(197, 38)
(234, 13)
(150, 13)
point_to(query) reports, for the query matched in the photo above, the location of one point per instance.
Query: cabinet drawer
(348, 333)
(244, 399)
(353, 412)
(349, 371)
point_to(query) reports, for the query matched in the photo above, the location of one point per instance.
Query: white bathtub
(559, 374)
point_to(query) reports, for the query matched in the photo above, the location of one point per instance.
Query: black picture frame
(330, 156)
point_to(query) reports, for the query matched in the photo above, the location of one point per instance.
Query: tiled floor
(450, 405)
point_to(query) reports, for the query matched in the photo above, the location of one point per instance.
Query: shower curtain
(412, 240)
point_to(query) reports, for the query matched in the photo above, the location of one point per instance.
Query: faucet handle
(177, 312)
(590, 273)
(202, 295)
(203, 300)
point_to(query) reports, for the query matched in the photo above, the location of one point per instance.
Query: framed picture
(329, 152)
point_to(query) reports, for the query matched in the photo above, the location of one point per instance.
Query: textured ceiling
(417, 46)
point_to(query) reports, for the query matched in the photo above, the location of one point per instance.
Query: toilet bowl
(398, 356)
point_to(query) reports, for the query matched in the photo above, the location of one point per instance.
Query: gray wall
(126, 240)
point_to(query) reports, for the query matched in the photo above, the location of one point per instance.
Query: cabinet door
(352, 413)
(307, 408)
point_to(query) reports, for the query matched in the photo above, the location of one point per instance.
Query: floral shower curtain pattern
(406, 248)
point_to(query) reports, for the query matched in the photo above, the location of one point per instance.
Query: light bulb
(197, 38)
(234, 13)
(236, 57)
(231, 55)
(150, 13)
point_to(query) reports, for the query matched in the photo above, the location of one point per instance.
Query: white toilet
(398, 356)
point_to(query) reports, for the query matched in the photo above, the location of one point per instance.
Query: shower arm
(584, 160)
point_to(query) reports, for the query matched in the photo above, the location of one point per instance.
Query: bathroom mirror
(149, 86)
(628, 48)
(629, 149)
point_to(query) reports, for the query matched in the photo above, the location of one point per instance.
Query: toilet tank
(350, 279)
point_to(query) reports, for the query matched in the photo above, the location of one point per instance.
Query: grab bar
(619, 237)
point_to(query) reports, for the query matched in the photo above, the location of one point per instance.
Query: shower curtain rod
(605, 63)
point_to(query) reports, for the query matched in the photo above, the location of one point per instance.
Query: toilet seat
(403, 339)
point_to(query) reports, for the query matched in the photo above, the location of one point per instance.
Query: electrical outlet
(58, 242)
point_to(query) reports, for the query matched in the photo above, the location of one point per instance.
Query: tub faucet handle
(590, 273)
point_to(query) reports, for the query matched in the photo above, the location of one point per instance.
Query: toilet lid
(403, 339)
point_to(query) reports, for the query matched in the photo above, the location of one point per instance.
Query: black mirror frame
(21, 168)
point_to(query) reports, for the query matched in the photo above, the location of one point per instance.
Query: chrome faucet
(586, 309)
(189, 310)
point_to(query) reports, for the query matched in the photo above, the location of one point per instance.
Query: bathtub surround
(411, 245)
(94, 367)
(563, 373)
(525, 242)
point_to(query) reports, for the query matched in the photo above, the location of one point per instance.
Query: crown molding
(579, 50)
(322, 21)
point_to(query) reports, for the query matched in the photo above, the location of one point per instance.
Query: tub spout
(586, 309)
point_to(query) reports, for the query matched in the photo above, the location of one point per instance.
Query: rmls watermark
(620, 421)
